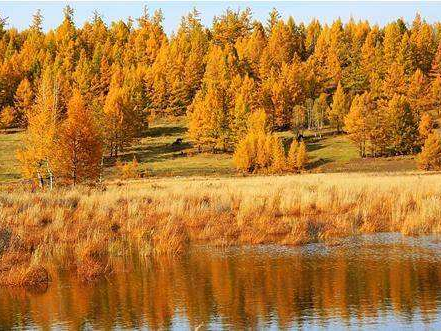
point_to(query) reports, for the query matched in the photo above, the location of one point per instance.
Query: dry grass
(84, 229)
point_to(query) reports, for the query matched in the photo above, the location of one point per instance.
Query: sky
(19, 14)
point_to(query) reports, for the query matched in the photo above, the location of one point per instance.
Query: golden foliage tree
(23, 101)
(302, 156)
(426, 126)
(355, 124)
(338, 109)
(79, 146)
(430, 156)
(292, 155)
(37, 155)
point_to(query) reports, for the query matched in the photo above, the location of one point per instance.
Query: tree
(7, 117)
(37, 154)
(403, 126)
(338, 109)
(245, 154)
(417, 94)
(356, 125)
(319, 112)
(79, 146)
(302, 157)
(257, 151)
(278, 158)
(299, 118)
(435, 94)
(24, 98)
(210, 113)
(426, 126)
(292, 155)
(118, 131)
(430, 156)
(395, 81)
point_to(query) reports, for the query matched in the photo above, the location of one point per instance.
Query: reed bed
(85, 229)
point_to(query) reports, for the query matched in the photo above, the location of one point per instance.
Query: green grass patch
(336, 148)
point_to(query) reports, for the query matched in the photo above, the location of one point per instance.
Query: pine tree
(430, 156)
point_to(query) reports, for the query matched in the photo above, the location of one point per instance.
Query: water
(376, 282)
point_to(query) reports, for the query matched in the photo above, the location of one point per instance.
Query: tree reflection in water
(343, 285)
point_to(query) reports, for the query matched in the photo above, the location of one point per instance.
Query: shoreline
(84, 228)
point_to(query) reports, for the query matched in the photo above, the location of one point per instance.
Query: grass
(9, 167)
(84, 229)
(159, 157)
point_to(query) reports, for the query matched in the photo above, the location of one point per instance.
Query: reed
(84, 229)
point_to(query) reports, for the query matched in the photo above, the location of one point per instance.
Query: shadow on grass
(318, 163)
(156, 153)
(315, 146)
(163, 131)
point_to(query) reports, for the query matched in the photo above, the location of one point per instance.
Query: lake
(381, 281)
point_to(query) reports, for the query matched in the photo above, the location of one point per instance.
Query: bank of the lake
(85, 230)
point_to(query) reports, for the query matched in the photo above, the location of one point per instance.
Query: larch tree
(403, 126)
(79, 145)
(23, 101)
(302, 156)
(319, 112)
(356, 125)
(435, 94)
(278, 157)
(292, 155)
(430, 156)
(338, 109)
(37, 154)
(426, 126)
(417, 95)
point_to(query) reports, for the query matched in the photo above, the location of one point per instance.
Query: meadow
(159, 157)
(84, 229)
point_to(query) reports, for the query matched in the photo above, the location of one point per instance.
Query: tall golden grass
(84, 228)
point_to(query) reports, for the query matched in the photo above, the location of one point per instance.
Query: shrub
(128, 170)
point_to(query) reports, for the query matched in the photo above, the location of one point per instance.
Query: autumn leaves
(98, 85)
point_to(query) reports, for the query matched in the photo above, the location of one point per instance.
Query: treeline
(375, 83)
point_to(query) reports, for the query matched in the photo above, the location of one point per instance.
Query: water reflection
(381, 281)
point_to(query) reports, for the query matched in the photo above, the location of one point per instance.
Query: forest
(84, 94)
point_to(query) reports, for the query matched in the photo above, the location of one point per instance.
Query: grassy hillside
(158, 156)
